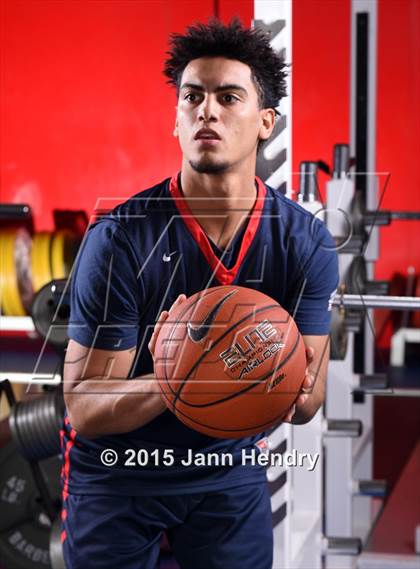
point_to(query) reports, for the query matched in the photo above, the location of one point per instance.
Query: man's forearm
(98, 406)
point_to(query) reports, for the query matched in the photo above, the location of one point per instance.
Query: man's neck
(219, 202)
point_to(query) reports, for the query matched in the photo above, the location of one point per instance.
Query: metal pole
(362, 301)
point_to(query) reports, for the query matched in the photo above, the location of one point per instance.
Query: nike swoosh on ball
(198, 333)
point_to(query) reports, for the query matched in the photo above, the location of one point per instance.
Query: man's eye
(229, 98)
(190, 97)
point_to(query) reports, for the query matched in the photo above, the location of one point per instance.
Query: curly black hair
(233, 41)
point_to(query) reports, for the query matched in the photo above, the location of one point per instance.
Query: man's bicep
(105, 291)
(83, 363)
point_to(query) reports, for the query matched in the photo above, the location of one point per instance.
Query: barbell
(365, 301)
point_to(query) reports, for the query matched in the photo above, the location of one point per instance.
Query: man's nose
(208, 110)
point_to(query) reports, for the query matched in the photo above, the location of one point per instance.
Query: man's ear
(268, 121)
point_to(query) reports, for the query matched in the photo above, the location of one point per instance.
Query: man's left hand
(306, 389)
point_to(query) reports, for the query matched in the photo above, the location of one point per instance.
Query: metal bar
(394, 392)
(343, 428)
(405, 215)
(362, 301)
(14, 211)
(342, 546)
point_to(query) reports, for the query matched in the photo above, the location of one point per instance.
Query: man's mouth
(206, 134)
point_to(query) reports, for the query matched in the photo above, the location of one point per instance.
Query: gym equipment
(230, 361)
(53, 255)
(374, 488)
(363, 218)
(343, 428)
(356, 281)
(372, 382)
(342, 546)
(64, 247)
(363, 301)
(35, 425)
(338, 334)
(16, 290)
(25, 524)
(29, 487)
(41, 267)
(346, 315)
(308, 195)
(341, 161)
(28, 263)
(50, 312)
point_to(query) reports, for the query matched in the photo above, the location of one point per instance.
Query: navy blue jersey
(133, 263)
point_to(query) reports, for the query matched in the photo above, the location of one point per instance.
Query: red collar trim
(224, 276)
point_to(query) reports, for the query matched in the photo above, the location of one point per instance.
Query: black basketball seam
(197, 363)
(211, 428)
(248, 387)
(208, 291)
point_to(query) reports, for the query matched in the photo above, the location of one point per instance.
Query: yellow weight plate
(2, 273)
(6, 277)
(23, 247)
(41, 267)
(15, 300)
(57, 254)
(11, 300)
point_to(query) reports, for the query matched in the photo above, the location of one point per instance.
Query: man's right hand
(161, 320)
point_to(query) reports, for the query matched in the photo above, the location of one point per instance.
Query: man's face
(219, 121)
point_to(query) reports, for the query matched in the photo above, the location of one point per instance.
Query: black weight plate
(355, 279)
(17, 489)
(24, 526)
(35, 426)
(338, 336)
(25, 547)
(44, 309)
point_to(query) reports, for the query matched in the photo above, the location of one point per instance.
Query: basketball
(230, 362)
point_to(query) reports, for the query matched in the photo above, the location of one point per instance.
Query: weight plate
(355, 278)
(57, 254)
(338, 335)
(25, 547)
(23, 250)
(51, 310)
(2, 275)
(35, 425)
(10, 291)
(41, 259)
(24, 526)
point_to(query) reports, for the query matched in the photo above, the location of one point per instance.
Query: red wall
(398, 141)
(85, 108)
(321, 80)
(398, 129)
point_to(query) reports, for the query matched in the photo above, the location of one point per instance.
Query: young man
(213, 223)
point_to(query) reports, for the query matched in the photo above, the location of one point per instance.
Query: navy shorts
(226, 529)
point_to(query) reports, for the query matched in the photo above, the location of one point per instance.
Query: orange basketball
(230, 362)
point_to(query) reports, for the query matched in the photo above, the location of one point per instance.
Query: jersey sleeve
(105, 290)
(316, 282)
